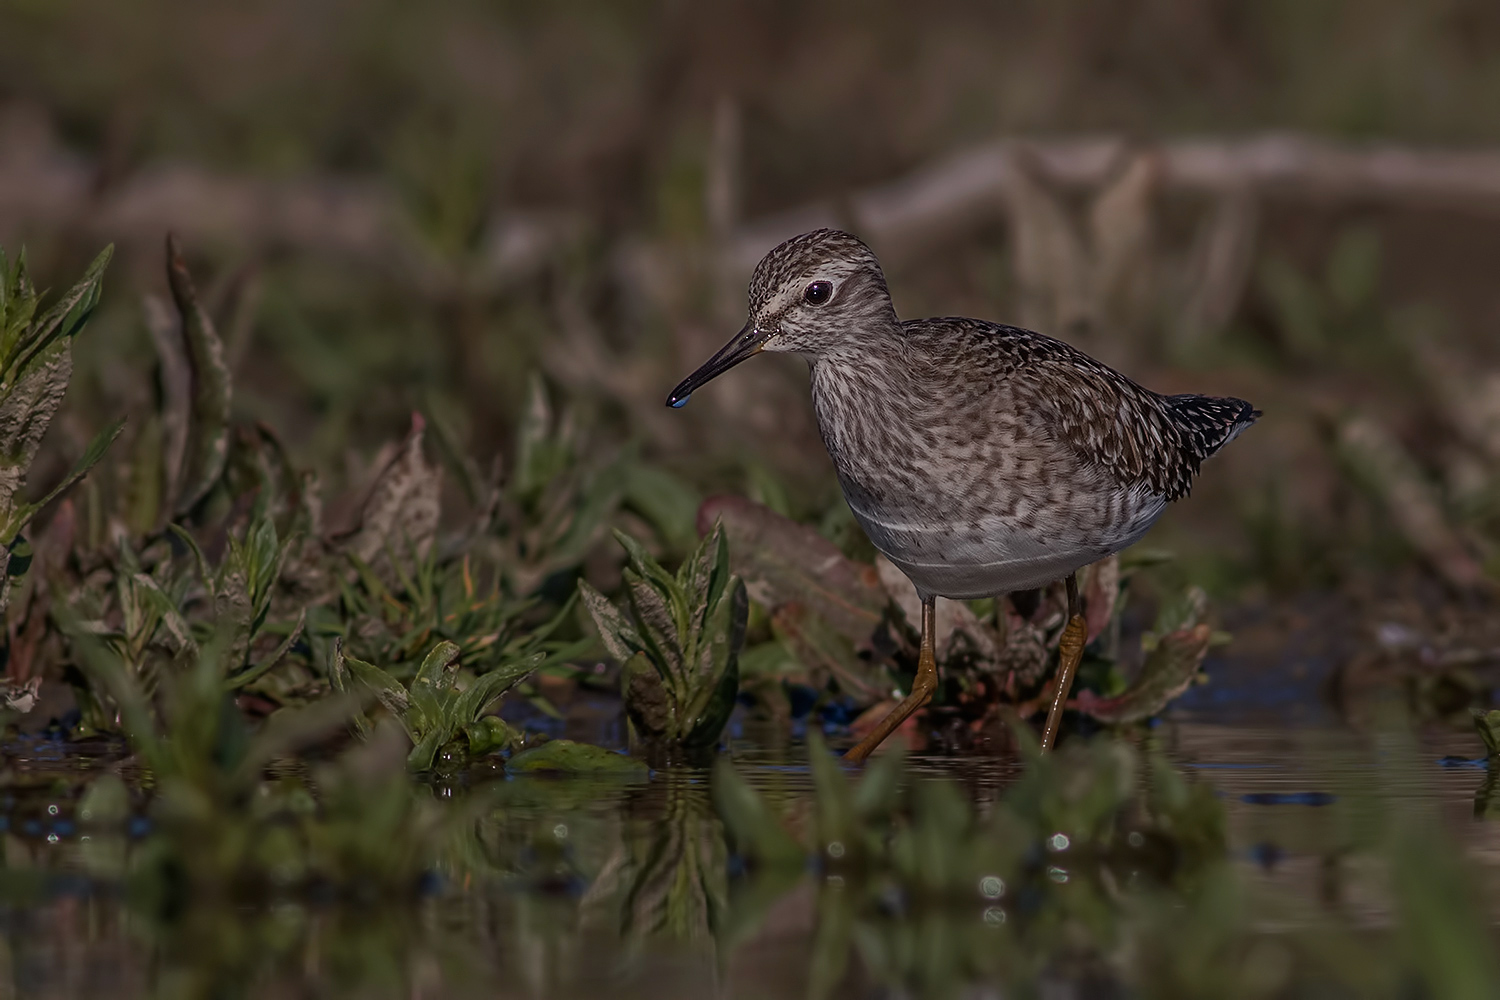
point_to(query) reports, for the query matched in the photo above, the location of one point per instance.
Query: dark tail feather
(1208, 423)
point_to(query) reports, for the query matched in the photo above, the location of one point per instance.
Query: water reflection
(1165, 865)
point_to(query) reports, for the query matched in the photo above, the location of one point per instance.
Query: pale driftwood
(43, 186)
(969, 189)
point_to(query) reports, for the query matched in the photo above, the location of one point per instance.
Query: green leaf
(254, 673)
(696, 581)
(168, 611)
(90, 458)
(645, 565)
(539, 455)
(652, 613)
(668, 503)
(835, 799)
(66, 317)
(386, 688)
(293, 729)
(1184, 611)
(1354, 268)
(205, 575)
(425, 751)
(343, 683)
(437, 667)
(1488, 725)
(487, 687)
(567, 757)
(716, 682)
(106, 803)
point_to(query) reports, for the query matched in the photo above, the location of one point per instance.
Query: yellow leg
(1069, 653)
(921, 690)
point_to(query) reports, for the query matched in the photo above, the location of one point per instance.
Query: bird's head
(817, 294)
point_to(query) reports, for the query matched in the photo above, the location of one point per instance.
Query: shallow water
(582, 887)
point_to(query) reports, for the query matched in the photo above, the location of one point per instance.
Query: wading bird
(981, 459)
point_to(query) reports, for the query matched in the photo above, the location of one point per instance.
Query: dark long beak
(746, 343)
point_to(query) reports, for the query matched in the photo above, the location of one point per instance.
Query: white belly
(996, 557)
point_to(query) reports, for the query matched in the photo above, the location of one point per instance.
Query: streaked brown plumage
(980, 458)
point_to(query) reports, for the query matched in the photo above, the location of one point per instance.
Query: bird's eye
(818, 292)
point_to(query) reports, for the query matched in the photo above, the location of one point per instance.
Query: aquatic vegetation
(220, 829)
(434, 709)
(1099, 866)
(678, 644)
(901, 865)
(1488, 726)
(569, 757)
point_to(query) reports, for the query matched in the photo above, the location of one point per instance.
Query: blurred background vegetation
(419, 207)
(451, 256)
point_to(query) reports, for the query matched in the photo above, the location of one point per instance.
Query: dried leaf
(783, 562)
(1169, 670)
(618, 635)
(26, 409)
(1100, 589)
(647, 701)
(828, 654)
(1051, 264)
(1120, 222)
(1393, 475)
(1219, 265)
(955, 626)
(19, 696)
(401, 513)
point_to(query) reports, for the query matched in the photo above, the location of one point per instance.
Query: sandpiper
(982, 459)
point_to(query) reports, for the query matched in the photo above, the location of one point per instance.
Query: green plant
(553, 506)
(223, 831)
(679, 644)
(436, 708)
(933, 892)
(1488, 726)
(36, 364)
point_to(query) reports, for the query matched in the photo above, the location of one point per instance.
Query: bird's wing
(1110, 422)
